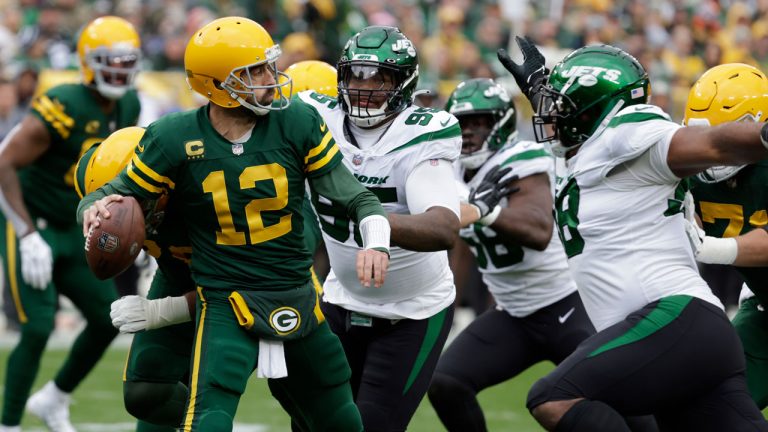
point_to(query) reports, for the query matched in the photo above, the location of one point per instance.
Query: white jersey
(418, 284)
(522, 280)
(621, 222)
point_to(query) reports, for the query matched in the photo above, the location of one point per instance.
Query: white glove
(36, 260)
(710, 250)
(131, 314)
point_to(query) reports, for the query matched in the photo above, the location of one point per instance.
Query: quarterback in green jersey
(238, 167)
(42, 244)
(732, 204)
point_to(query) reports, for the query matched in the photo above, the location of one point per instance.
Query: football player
(155, 378)
(538, 314)
(238, 167)
(732, 204)
(664, 344)
(392, 336)
(42, 245)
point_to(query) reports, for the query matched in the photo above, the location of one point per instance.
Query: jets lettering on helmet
(497, 90)
(404, 45)
(588, 75)
(371, 180)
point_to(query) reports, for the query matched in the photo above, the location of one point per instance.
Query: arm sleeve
(431, 183)
(340, 186)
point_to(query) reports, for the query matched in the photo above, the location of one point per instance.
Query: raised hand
(496, 184)
(531, 73)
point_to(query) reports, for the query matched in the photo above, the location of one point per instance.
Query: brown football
(114, 245)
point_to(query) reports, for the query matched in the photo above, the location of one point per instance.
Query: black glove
(491, 190)
(529, 75)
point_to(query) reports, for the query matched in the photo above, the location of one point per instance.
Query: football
(114, 245)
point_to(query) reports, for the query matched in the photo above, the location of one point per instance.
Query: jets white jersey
(418, 284)
(620, 218)
(522, 280)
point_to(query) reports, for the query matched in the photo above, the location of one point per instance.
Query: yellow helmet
(313, 75)
(106, 160)
(218, 61)
(725, 93)
(110, 52)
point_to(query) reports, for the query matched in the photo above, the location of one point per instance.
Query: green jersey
(75, 122)
(736, 206)
(241, 202)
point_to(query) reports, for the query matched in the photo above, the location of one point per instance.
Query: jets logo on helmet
(478, 103)
(584, 91)
(729, 92)
(378, 73)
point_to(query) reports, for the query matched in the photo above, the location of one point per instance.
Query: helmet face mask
(246, 85)
(487, 117)
(378, 73)
(732, 92)
(584, 91)
(110, 57)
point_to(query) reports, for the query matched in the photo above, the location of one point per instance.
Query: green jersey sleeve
(322, 154)
(151, 171)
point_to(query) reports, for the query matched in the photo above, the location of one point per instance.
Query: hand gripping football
(114, 245)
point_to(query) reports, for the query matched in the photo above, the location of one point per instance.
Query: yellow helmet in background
(106, 160)
(314, 75)
(110, 54)
(726, 93)
(218, 58)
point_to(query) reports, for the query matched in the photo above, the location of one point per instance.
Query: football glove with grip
(486, 196)
(36, 260)
(131, 314)
(707, 249)
(529, 75)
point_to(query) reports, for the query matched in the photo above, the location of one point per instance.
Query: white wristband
(715, 250)
(491, 217)
(167, 311)
(375, 232)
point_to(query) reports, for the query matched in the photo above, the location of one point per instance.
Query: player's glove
(496, 185)
(529, 75)
(707, 249)
(131, 314)
(36, 260)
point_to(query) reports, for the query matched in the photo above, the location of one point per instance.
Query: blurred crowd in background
(676, 40)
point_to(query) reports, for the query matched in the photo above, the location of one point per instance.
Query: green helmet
(588, 87)
(378, 73)
(483, 97)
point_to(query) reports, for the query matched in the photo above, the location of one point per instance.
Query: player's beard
(243, 113)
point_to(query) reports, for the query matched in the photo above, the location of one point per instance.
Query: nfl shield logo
(357, 159)
(108, 242)
(237, 149)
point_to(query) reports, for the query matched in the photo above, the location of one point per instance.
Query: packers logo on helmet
(725, 93)
(104, 162)
(482, 97)
(109, 52)
(313, 75)
(584, 90)
(222, 56)
(378, 73)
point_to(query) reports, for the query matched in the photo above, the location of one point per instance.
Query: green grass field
(98, 407)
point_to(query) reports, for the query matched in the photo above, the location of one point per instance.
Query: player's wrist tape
(715, 250)
(764, 135)
(167, 311)
(375, 231)
(491, 217)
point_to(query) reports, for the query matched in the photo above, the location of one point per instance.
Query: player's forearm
(752, 249)
(12, 203)
(115, 186)
(696, 148)
(434, 230)
(525, 226)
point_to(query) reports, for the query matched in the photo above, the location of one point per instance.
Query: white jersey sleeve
(431, 184)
